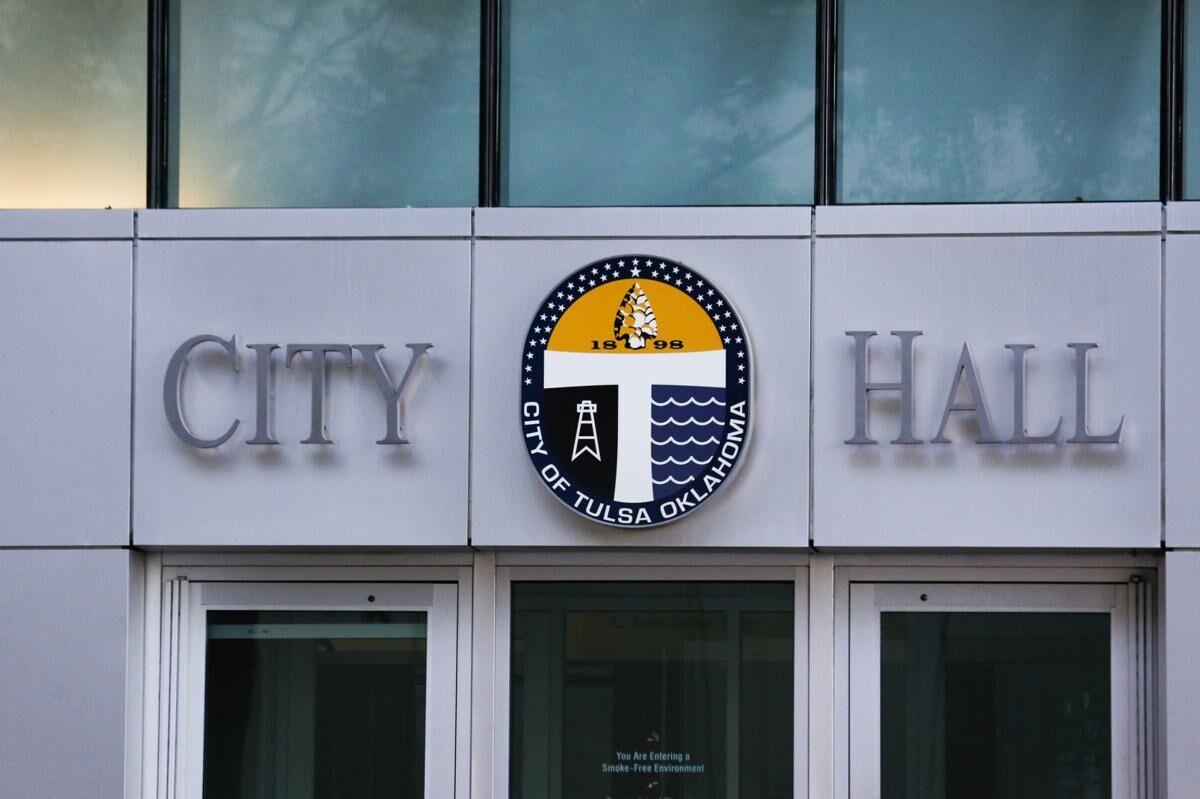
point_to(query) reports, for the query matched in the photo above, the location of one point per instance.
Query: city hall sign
(635, 390)
(966, 396)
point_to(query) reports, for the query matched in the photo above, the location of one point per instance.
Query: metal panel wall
(1182, 377)
(1182, 693)
(63, 670)
(353, 492)
(765, 277)
(65, 318)
(1063, 274)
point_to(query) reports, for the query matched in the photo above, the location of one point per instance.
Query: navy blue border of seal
(738, 385)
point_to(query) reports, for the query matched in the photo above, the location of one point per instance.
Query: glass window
(316, 704)
(666, 102)
(998, 100)
(73, 94)
(1191, 102)
(326, 103)
(995, 705)
(627, 690)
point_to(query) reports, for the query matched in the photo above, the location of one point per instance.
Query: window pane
(323, 705)
(327, 103)
(628, 690)
(73, 94)
(998, 100)
(996, 705)
(670, 102)
(1191, 102)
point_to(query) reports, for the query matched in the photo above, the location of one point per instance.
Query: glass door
(319, 690)
(989, 691)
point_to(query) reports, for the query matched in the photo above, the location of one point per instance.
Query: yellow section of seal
(682, 323)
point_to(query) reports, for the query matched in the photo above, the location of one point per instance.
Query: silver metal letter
(862, 387)
(316, 434)
(264, 394)
(392, 395)
(1020, 434)
(173, 384)
(1082, 436)
(965, 370)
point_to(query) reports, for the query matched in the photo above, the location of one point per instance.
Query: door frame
(182, 587)
(1028, 573)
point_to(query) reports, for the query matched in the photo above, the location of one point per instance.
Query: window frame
(175, 633)
(1135, 664)
(678, 567)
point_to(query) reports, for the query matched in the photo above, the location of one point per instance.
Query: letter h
(862, 387)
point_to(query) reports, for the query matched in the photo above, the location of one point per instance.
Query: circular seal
(635, 390)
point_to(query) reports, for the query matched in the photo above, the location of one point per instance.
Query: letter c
(173, 383)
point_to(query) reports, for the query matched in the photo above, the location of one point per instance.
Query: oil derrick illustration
(635, 323)
(586, 440)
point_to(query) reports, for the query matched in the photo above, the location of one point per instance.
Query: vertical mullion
(825, 168)
(156, 116)
(1171, 145)
(489, 104)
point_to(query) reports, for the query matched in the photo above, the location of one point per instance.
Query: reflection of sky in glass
(328, 103)
(998, 100)
(72, 103)
(658, 102)
(1191, 104)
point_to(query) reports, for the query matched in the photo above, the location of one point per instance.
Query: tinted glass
(327, 103)
(998, 100)
(1191, 102)
(314, 705)
(72, 103)
(628, 690)
(658, 102)
(996, 706)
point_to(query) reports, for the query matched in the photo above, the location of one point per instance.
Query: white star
(543, 341)
(734, 327)
(591, 282)
(528, 382)
(678, 282)
(570, 286)
(543, 316)
(550, 304)
(708, 307)
(529, 355)
(622, 263)
(710, 293)
(635, 272)
(720, 302)
(595, 270)
(699, 283)
(560, 295)
(661, 265)
(675, 271)
(739, 340)
(635, 262)
(608, 266)
(528, 368)
(539, 330)
(741, 354)
(727, 339)
(654, 273)
(555, 319)
(741, 367)
(561, 308)
(722, 328)
(741, 381)
(603, 278)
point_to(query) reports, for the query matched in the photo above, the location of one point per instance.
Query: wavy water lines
(687, 421)
(685, 442)
(672, 460)
(687, 402)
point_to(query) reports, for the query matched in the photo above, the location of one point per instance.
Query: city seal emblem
(635, 391)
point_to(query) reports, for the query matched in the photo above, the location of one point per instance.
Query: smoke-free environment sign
(635, 390)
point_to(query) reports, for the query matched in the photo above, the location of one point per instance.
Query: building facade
(858, 459)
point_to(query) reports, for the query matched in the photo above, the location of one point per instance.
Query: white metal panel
(55, 225)
(642, 222)
(350, 493)
(63, 678)
(988, 292)
(1181, 381)
(65, 324)
(304, 223)
(1183, 217)
(1182, 692)
(764, 504)
(972, 219)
